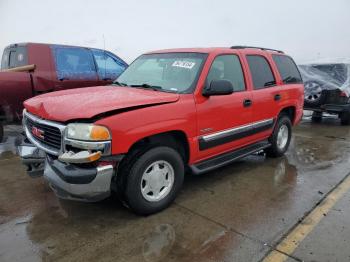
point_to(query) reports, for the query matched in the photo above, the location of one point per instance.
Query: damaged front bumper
(68, 181)
(71, 182)
(32, 157)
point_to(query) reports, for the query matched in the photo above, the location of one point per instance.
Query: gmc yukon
(169, 111)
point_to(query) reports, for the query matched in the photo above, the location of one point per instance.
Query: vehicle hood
(85, 103)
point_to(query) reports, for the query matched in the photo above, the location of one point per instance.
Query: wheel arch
(176, 139)
(290, 111)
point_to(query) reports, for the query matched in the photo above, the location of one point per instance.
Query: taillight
(343, 94)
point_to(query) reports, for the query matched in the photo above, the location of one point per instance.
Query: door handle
(278, 97)
(247, 102)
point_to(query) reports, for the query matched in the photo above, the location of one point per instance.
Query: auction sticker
(184, 64)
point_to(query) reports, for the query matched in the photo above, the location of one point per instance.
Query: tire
(1, 132)
(316, 117)
(345, 118)
(314, 96)
(280, 141)
(146, 178)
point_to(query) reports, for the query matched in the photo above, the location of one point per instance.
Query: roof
(206, 50)
(32, 43)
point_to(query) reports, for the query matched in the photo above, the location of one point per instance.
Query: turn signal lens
(99, 133)
(94, 157)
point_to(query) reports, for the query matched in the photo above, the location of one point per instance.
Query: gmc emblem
(38, 132)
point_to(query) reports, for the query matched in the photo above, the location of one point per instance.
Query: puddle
(15, 243)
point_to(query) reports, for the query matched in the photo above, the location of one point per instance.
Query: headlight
(87, 132)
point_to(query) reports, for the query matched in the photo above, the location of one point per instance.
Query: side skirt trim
(229, 135)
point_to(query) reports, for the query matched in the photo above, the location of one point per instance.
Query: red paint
(71, 104)
(188, 113)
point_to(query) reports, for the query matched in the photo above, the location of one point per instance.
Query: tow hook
(80, 157)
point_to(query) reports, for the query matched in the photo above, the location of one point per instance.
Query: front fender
(129, 127)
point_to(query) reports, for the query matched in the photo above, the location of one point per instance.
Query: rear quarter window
(287, 69)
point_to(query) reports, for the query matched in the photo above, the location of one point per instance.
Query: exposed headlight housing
(87, 132)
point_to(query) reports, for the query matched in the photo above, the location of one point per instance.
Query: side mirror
(218, 88)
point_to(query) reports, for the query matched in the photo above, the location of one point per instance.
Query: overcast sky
(307, 30)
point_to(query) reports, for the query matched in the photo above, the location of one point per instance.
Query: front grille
(51, 135)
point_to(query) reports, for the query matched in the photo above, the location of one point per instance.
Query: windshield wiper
(153, 87)
(118, 83)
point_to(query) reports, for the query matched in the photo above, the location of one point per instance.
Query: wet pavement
(237, 213)
(330, 238)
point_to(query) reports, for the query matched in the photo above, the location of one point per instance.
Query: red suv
(170, 111)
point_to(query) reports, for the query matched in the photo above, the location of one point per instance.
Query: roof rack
(255, 47)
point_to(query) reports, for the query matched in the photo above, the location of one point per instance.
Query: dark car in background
(30, 69)
(327, 89)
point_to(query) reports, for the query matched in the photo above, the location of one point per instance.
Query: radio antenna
(104, 54)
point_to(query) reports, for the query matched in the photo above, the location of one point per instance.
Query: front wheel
(153, 180)
(280, 138)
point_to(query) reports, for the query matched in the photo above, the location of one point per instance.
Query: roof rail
(255, 47)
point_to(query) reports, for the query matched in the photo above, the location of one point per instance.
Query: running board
(227, 158)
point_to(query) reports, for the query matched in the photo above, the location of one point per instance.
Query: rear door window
(287, 69)
(74, 63)
(227, 67)
(261, 72)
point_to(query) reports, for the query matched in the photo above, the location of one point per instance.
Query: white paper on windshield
(184, 64)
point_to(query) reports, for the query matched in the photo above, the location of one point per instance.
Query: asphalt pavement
(241, 212)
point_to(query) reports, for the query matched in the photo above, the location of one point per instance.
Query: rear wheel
(345, 118)
(153, 180)
(1, 132)
(280, 138)
(316, 117)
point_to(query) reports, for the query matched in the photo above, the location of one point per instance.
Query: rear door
(221, 118)
(75, 67)
(266, 93)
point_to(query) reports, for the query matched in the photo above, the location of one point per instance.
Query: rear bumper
(334, 108)
(82, 184)
(331, 108)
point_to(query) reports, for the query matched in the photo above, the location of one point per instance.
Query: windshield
(173, 72)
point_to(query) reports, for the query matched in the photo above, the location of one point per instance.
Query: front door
(222, 120)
